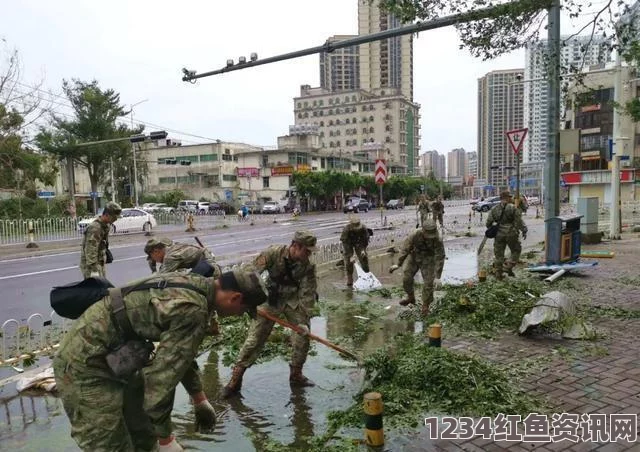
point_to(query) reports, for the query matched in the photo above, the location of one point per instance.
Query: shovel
(303, 332)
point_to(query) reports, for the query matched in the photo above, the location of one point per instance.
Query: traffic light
(170, 161)
(185, 162)
(137, 138)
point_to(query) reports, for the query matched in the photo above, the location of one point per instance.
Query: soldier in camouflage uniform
(173, 256)
(96, 242)
(424, 209)
(438, 211)
(108, 413)
(509, 219)
(292, 285)
(354, 237)
(423, 250)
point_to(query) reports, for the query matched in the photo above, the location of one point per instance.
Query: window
(323, 163)
(346, 98)
(315, 113)
(321, 112)
(330, 144)
(227, 157)
(322, 134)
(315, 103)
(331, 111)
(321, 123)
(331, 122)
(338, 143)
(330, 133)
(353, 120)
(330, 101)
(382, 93)
(337, 133)
(321, 102)
(306, 104)
(370, 129)
(347, 121)
(370, 107)
(336, 101)
(191, 158)
(167, 180)
(299, 115)
(229, 177)
(338, 122)
(265, 160)
(208, 157)
(353, 98)
(265, 182)
(306, 115)
(364, 130)
(299, 104)
(235, 158)
(370, 118)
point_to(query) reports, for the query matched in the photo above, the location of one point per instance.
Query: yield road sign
(381, 172)
(516, 139)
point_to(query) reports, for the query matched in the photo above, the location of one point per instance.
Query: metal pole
(113, 184)
(518, 179)
(134, 186)
(614, 228)
(552, 161)
(328, 47)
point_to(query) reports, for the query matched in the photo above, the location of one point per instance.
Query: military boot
(425, 310)
(411, 299)
(235, 383)
(349, 279)
(509, 269)
(297, 379)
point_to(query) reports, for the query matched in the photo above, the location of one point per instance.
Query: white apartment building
(499, 110)
(352, 123)
(388, 63)
(536, 101)
(472, 165)
(340, 69)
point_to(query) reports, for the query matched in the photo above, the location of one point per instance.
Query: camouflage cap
(430, 228)
(307, 239)
(355, 221)
(249, 283)
(505, 195)
(155, 243)
(112, 208)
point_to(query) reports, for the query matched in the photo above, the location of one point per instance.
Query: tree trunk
(93, 178)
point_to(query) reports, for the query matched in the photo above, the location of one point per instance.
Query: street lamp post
(133, 152)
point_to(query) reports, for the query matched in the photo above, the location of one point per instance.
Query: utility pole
(552, 161)
(614, 229)
(113, 184)
(134, 186)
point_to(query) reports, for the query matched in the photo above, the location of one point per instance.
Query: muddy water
(268, 409)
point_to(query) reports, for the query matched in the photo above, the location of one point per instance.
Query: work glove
(437, 283)
(171, 446)
(94, 275)
(305, 330)
(205, 414)
(393, 268)
(524, 235)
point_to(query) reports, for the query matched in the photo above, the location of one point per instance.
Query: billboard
(248, 172)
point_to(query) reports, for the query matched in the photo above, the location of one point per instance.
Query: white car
(203, 207)
(533, 200)
(162, 207)
(131, 220)
(271, 207)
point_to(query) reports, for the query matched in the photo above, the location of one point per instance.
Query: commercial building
(499, 110)
(385, 64)
(340, 69)
(472, 166)
(350, 123)
(578, 51)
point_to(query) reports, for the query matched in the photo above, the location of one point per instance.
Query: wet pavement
(269, 410)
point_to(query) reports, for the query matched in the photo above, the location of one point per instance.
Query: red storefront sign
(248, 172)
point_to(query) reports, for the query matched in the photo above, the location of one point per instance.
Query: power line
(138, 121)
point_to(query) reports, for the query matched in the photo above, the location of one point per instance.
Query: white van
(188, 205)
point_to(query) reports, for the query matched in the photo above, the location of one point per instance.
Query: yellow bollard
(482, 275)
(190, 222)
(31, 232)
(373, 431)
(435, 333)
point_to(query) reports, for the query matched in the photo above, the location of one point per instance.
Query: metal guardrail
(21, 411)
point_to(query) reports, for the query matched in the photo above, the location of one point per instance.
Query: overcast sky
(138, 48)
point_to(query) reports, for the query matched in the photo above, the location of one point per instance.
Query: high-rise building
(354, 122)
(499, 110)
(456, 163)
(472, 165)
(582, 51)
(386, 64)
(340, 69)
(432, 163)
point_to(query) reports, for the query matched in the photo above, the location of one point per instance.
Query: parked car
(131, 220)
(219, 208)
(203, 207)
(188, 205)
(356, 205)
(271, 207)
(253, 206)
(163, 208)
(474, 201)
(395, 204)
(487, 204)
(148, 206)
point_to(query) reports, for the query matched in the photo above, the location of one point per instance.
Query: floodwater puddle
(269, 410)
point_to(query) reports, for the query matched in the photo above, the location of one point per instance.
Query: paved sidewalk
(589, 377)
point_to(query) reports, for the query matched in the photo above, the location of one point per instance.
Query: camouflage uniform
(179, 256)
(110, 414)
(355, 237)
(94, 248)
(424, 209)
(293, 288)
(438, 211)
(509, 218)
(423, 250)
